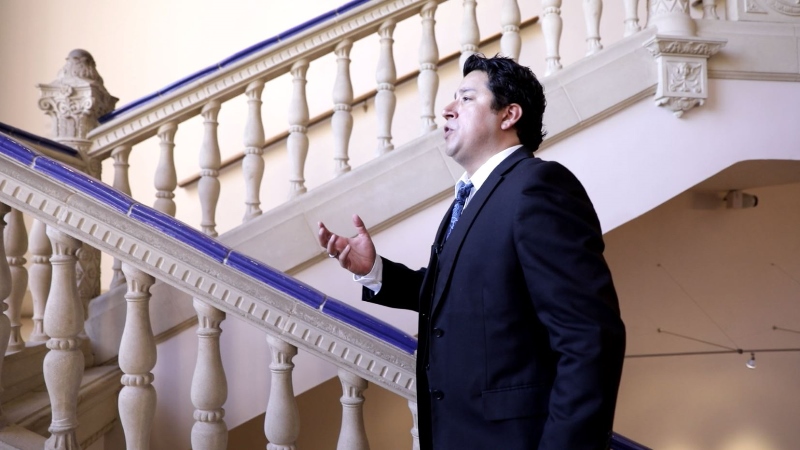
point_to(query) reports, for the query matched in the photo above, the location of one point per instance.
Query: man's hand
(356, 254)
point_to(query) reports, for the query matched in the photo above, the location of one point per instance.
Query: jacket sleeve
(560, 248)
(400, 287)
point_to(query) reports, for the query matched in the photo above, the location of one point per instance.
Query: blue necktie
(461, 198)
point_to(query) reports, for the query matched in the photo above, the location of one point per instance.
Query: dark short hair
(510, 83)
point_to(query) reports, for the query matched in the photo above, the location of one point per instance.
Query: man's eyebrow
(463, 90)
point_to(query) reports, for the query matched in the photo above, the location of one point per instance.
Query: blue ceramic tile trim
(180, 231)
(30, 137)
(619, 442)
(275, 279)
(84, 183)
(370, 325)
(232, 59)
(16, 151)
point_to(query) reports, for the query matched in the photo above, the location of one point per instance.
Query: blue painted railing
(207, 245)
(238, 56)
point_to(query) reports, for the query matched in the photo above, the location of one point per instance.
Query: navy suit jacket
(520, 338)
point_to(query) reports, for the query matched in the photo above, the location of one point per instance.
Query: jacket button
(438, 332)
(437, 394)
(427, 367)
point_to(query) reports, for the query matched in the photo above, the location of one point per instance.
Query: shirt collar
(483, 172)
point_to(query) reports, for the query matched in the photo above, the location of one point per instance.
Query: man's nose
(448, 112)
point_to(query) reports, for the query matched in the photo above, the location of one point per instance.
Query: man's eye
(464, 99)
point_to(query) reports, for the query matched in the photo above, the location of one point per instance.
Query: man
(520, 338)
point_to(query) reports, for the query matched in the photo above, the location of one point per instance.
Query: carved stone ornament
(788, 7)
(752, 6)
(682, 70)
(76, 98)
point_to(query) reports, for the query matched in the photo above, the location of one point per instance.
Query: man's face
(472, 128)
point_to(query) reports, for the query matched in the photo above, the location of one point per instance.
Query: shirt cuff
(374, 279)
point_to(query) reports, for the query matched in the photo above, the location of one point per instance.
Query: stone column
(5, 290)
(74, 101)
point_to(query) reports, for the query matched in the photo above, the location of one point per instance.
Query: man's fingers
(359, 224)
(324, 235)
(343, 256)
(331, 247)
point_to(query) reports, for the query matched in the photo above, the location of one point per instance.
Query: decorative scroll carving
(788, 7)
(682, 70)
(76, 98)
(752, 6)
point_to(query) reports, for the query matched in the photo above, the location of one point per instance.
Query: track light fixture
(739, 200)
(751, 363)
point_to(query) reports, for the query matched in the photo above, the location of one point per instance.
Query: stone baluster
(470, 34)
(385, 100)
(510, 18)
(208, 186)
(297, 142)
(39, 277)
(5, 290)
(16, 244)
(551, 27)
(342, 120)
(352, 435)
(282, 422)
(121, 183)
(631, 17)
(428, 79)
(64, 363)
(137, 357)
(209, 385)
(671, 17)
(415, 426)
(75, 101)
(592, 10)
(253, 163)
(166, 178)
(710, 10)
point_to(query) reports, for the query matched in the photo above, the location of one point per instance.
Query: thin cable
(698, 306)
(699, 340)
(786, 273)
(715, 352)
(785, 329)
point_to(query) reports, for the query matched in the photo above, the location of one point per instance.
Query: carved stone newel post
(681, 55)
(63, 321)
(137, 357)
(74, 101)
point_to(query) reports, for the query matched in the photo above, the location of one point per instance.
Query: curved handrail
(238, 56)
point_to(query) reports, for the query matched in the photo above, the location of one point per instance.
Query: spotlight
(740, 200)
(751, 363)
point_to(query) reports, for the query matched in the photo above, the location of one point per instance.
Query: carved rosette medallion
(682, 70)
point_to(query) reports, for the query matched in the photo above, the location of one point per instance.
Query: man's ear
(512, 114)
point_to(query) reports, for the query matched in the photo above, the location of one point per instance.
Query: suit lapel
(436, 249)
(449, 254)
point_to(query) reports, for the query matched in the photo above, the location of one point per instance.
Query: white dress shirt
(374, 279)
